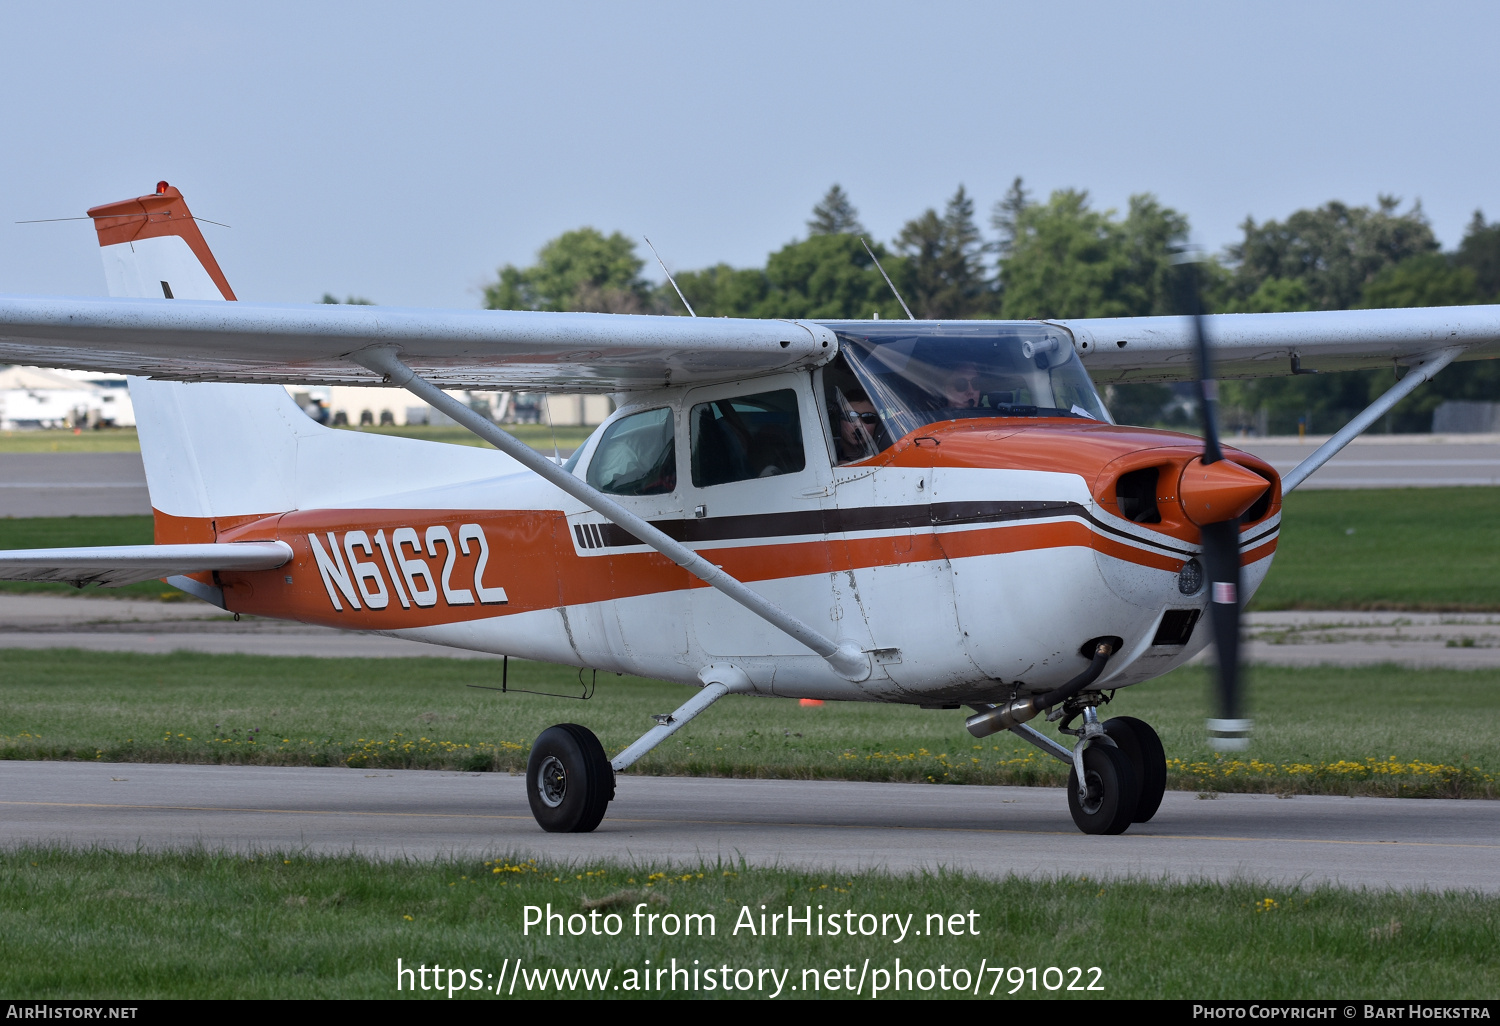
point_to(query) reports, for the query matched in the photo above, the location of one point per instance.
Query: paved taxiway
(1388, 461)
(75, 484)
(831, 826)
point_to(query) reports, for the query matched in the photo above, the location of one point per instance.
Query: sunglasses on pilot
(964, 384)
(855, 417)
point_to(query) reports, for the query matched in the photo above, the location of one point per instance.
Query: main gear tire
(1147, 756)
(1113, 791)
(569, 781)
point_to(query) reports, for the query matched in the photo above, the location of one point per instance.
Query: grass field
(57, 532)
(1411, 548)
(1382, 731)
(283, 925)
(103, 440)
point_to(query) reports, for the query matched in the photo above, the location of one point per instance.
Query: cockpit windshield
(916, 375)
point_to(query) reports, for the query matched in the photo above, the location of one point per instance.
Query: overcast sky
(403, 152)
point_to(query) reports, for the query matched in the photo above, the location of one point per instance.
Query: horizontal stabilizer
(112, 566)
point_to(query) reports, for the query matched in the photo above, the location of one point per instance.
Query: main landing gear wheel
(1113, 791)
(569, 780)
(1147, 757)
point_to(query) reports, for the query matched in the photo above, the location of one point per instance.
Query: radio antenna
(670, 278)
(887, 278)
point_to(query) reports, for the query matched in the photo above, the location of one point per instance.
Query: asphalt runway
(827, 826)
(1388, 461)
(85, 484)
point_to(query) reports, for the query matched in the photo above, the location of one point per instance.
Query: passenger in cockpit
(857, 424)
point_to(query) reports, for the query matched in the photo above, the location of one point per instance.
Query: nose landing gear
(1119, 772)
(1103, 799)
(1143, 748)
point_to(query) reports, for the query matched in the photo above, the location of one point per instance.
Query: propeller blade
(1191, 301)
(1221, 563)
(1221, 536)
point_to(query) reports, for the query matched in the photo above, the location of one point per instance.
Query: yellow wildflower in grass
(1340, 769)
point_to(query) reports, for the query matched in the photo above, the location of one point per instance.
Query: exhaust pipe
(1013, 714)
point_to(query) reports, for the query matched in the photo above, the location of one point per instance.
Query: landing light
(1190, 577)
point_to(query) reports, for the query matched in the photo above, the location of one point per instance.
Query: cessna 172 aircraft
(933, 513)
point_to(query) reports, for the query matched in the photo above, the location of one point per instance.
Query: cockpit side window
(857, 430)
(636, 456)
(746, 437)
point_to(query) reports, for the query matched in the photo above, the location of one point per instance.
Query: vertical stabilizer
(217, 450)
(209, 449)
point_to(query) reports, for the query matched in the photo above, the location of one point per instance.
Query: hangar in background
(34, 397)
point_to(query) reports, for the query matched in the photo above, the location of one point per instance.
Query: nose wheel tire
(569, 781)
(1147, 757)
(1113, 791)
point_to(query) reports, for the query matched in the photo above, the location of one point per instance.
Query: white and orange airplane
(932, 513)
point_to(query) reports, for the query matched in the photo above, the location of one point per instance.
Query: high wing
(188, 340)
(1272, 344)
(112, 566)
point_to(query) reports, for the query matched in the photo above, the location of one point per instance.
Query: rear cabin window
(636, 456)
(747, 437)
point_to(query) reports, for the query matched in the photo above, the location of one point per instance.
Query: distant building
(338, 405)
(33, 398)
(38, 398)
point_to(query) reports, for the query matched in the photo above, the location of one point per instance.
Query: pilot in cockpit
(960, 387)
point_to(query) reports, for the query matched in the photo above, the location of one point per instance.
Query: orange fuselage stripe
(531, 554)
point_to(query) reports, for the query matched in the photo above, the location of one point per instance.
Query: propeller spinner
(1214, 493)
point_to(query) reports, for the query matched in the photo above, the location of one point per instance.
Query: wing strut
(1422, 369)
(847, 659)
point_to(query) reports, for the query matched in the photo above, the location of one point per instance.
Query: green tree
(1066, 259)
(943, 274)
(330, 298)
(827, 275)
(1480, 252)
(1338, 257)
(1334, 251)
(581, 270)
(1005, 218)
(718, 291)
(1427, 279)
(1273, 295)
(835, 215)
(830, 277)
